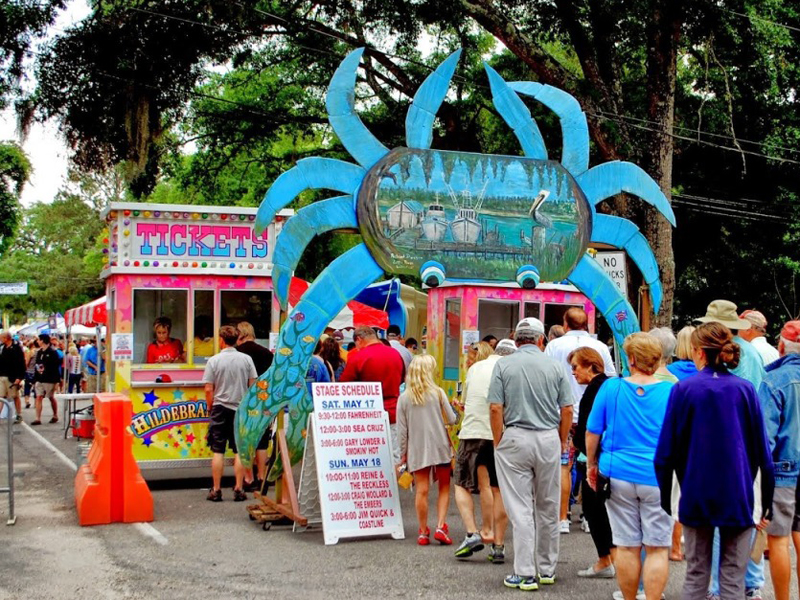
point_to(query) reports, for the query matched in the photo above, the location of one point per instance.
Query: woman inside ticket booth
(164, 349)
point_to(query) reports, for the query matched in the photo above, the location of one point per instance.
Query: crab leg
(596, 285)
(429, 97)
(284, 383)
(516, 114)
(622, 233)
(308, 174)
(326, 215)
(574, 130)
(340, 103)
(611, 178)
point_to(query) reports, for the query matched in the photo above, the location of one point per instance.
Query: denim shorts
(636, 516)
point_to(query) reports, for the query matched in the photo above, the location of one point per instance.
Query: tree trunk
(663, 37)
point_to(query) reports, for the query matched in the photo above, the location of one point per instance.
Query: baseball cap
(791, 331)
(755, 317)
(529, 325)
(506, 344)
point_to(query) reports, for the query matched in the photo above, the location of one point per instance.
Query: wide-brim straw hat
(724, 312)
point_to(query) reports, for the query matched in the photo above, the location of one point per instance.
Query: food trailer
(191, 270)
(460, 315)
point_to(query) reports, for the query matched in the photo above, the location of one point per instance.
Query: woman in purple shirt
(714, 439)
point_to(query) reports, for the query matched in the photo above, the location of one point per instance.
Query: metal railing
(10, 413)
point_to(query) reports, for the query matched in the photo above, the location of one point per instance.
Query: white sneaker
(618, 595)
(585, 526)
(563, 526)
(639, 596)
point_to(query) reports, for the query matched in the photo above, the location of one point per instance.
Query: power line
(721, 207)
(700, 131)
(757, 18)
(702, 142)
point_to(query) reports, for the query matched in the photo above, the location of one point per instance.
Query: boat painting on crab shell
(499, 212)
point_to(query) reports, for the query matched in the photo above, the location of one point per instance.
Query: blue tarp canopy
(385, 296)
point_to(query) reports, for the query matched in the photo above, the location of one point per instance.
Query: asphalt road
(207, 550)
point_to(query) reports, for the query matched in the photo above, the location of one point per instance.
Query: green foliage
(21, 23)
(133, 85)
(15, 168)
(58, 248)
(118, 80)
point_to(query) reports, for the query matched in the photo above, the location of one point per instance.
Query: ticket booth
(188, 270)
(460, 315)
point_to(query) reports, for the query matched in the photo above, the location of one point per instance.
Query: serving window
(255, 307)
(497, 317)
(554, 314)
(452, 338)
(154, 313)
(533, 309)
(204, 338)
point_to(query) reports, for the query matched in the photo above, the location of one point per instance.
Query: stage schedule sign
(355, 470)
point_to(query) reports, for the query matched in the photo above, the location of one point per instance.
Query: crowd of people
(32, 369)
(693, 455)
(687, 457)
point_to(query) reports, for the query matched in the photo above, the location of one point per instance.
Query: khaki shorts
(8, 389)
(636, 516)
(91, 383)
(45, 390)
(782, 512)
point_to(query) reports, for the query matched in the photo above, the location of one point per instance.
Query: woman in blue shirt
(683, 365)
(628, 414)
(714, 439)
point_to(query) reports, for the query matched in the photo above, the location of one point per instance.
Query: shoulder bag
(603, 482)
(442, 410)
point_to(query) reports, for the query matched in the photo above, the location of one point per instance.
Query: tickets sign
(355, 471)
(155, 239)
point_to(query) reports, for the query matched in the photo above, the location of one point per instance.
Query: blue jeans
(753, 577)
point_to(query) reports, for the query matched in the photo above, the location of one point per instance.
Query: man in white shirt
(756, 336)
(475, 471)
(576, 325)
(396, 342)
(227, 377)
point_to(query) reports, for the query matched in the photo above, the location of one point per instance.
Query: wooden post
(646, 307)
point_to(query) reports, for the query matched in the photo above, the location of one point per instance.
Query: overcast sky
(44, 145)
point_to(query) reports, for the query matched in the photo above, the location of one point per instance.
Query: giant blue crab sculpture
(398, 244)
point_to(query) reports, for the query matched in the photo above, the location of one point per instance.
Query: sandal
(423, 539)
(239, 496)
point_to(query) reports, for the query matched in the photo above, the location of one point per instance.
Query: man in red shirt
(375, 362)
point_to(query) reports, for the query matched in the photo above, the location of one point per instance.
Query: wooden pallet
(287, 510)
